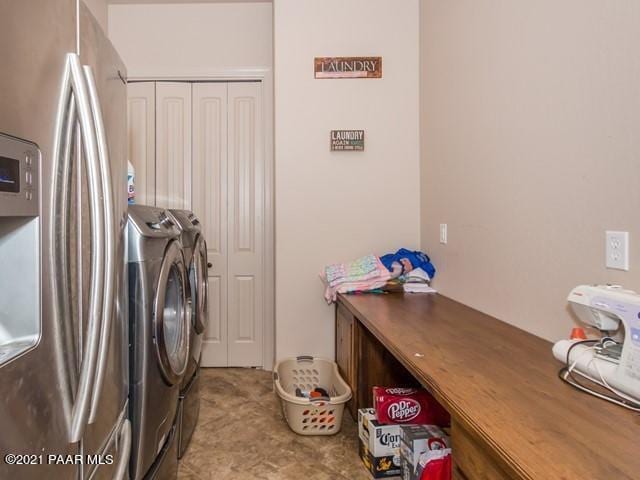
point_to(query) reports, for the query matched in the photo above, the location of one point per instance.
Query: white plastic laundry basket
(318, 416)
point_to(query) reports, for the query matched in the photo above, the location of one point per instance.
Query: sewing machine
(611, 362)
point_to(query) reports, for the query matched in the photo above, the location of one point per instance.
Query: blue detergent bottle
(131, 183)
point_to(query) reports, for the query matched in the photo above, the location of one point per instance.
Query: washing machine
(160, 329)
(195, 254)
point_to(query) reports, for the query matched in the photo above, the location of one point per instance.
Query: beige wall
(99, 10)
(337, 206)
(530, 127)
(192, 39)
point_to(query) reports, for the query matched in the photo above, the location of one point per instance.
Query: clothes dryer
(195, 254)
(159, 322)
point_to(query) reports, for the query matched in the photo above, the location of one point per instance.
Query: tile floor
(241, 435)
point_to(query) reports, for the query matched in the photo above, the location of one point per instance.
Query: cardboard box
(362, 414)
(379, 445)
(408, 406)
(379, 467)
(414, 441)
(408, 473)
(382, 440)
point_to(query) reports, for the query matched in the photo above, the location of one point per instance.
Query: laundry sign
(347, 140)
(348, 67)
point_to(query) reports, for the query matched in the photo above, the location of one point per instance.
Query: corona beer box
(379, 445)
(379, 467)
(408, 406)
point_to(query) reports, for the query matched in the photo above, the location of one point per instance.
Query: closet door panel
(210, 205)
(173, 145)
(245, 235)
(141, 124)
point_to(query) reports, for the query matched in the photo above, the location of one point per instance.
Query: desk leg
(346, 352)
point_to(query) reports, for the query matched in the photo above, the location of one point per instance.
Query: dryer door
(198, 278)
(172, 316)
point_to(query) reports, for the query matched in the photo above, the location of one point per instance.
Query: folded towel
(352, 282)
(331, 293)
(363, 268)
(418, 288)
(417, 275)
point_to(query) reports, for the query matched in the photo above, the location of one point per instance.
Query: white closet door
(210, 205)
(173, 145)
(246, 230)
(141, 124)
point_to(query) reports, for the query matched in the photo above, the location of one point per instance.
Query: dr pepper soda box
(401, 406)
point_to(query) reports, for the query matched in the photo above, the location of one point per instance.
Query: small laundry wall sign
(348, 67)
(347, 140)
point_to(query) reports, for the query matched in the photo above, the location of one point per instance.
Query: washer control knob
(165, 221)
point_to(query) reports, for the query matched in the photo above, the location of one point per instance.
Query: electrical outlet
(443, 233)
(617, 250)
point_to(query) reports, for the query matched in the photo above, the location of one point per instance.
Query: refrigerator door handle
(110, 241)
(82, 405)
(61, 205)
(123, 462)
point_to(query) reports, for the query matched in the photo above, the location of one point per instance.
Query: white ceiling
(187, 1)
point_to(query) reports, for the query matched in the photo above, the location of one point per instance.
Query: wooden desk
(511, 415)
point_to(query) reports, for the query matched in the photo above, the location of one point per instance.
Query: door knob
(209, 265)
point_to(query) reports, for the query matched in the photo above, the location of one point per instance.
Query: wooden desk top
(501, 383)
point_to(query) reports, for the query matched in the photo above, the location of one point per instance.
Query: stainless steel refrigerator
(63, 212)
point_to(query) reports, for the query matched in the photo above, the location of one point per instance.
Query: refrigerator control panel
(19, 177)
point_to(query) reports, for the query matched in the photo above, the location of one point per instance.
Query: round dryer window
(171, 318)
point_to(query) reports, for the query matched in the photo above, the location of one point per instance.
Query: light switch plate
(443, 233)
(617, 250)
